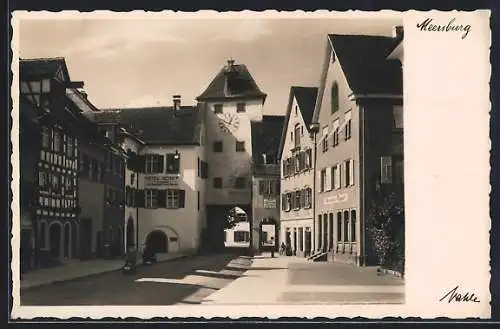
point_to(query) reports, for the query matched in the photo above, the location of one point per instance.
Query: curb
(94, 274)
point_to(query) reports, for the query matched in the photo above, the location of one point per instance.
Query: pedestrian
(272, 247)
(282, 249)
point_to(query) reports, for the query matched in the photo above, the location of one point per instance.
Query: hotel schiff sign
(161, 180)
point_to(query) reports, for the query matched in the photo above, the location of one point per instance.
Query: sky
(144, 62)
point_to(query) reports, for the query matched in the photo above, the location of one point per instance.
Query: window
(151, 198)
(309, 163)
(339, 226)
(70, 148)
(347, 119)
(335, 140)
(241, 236)
(335, 97)
(240, 146)
(218, 146)
(296, 109)
(239, 182)
(335, 177)
(43, 179)
(296, 203)
(328, 179)
(346, 226)
(323, 180)
(308, 198)
(386, 170)
(45, 137)
(324, 138)
(173, 163)
(217, 182)
(132, 179)
(173, 199)
(291, 136)
(240, 107)
(268, 187)
(57, 141)
(353, 225)
(297, 135)
(153, 163)
(397, 112)
(288, 201)
(349, 172)
(198, 200)
(218, 108)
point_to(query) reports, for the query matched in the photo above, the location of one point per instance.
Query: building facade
(165, 176)
(359, 148)
(297, 154)
(53, 234)
(232, 101)
(265, 221)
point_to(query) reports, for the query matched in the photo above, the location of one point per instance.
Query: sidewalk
(79, 269)
(293, 280)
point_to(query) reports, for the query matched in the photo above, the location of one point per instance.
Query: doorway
(55, 240)
(157, 241)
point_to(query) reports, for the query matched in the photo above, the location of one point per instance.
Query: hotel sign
(336, 199)
(270, 203)
(159, 180)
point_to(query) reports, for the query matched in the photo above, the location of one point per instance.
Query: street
(184, 281)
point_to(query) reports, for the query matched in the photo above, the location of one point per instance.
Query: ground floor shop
(297, 236)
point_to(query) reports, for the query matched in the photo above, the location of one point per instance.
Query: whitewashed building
(297, 151)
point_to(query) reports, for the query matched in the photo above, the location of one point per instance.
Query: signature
(454, 296)
(427, 25)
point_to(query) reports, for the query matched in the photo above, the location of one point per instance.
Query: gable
(332, 72)
(296, 111)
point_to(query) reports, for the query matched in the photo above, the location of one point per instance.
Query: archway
(130, 238)
(55, 240)
(237, 228)
(158, 241)
(66, 239)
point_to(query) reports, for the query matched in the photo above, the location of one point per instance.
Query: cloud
(246, 30)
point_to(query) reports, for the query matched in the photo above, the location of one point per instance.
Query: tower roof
(233, 81)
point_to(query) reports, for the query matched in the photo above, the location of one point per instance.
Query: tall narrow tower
(233, 100)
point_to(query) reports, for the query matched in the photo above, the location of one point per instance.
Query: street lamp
(176, 155)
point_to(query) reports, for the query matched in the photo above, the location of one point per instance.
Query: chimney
(177, 102)
(397, 32)
(230, 65)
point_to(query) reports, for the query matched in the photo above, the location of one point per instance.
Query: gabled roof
(363, 60)
(306, 100)
(266, 137)
(48, 67)
(80, 100)
(232, 81)
(156, 125)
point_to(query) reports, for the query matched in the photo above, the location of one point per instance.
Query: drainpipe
(313, 238)
(136, 211)
(361, 215)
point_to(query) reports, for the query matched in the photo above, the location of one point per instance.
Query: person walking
(272, 247)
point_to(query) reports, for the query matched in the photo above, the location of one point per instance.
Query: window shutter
(318, 173)
(341, 174)
(351, 172)
(328, 179)
(161, 165)
(283, 202)
(140, 198)
(309, 190)
(261, 187)
(302, 198)
(182, 198)
(162, 198)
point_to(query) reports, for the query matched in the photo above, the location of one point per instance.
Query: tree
(231, 219)
(386, 227)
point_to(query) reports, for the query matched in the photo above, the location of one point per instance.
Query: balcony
(266, 169)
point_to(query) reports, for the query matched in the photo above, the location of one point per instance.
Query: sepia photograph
(213, 161)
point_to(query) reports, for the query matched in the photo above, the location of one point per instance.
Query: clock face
(229, 123)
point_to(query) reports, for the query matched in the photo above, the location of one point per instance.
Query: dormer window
(297, 135)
